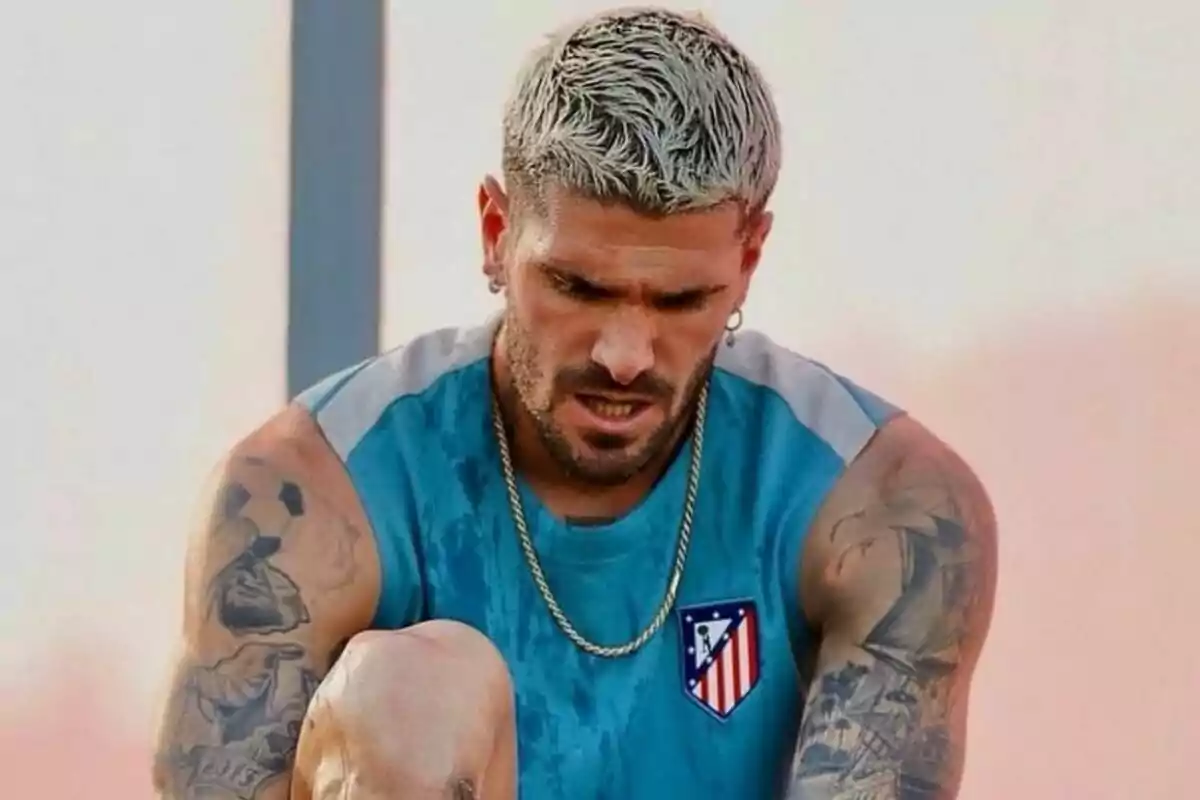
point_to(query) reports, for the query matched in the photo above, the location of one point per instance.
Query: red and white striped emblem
(720, 654)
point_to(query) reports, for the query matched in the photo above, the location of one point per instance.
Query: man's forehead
(603, 238)
(588, 256)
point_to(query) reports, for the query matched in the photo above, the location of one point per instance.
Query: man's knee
(439, 639)
(440, 656)
(421, 707)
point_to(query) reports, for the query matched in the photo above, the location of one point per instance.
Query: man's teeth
(610, 410)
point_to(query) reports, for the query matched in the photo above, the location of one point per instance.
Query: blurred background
(988, 214)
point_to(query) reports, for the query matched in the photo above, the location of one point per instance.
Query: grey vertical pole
(336, 187)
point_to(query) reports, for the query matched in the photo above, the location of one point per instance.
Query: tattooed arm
(279, 573)
(898, 576)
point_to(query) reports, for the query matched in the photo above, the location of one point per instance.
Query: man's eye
(684, 301)
(580, 289)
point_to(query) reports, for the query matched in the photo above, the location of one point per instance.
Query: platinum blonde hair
(646, 107)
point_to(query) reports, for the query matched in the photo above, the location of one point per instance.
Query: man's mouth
(610, 408)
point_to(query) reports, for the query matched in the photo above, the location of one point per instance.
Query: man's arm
(280, 572)
(899, 578)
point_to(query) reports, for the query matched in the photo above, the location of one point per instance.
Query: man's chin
(606, 466)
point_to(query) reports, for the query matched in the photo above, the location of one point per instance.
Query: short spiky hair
(649, 108)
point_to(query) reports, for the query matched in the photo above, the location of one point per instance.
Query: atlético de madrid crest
(720, 654)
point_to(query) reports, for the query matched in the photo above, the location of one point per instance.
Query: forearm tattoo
(234, 722)
(879, 723)
(238, 722)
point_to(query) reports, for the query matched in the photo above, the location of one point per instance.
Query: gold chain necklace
(681, 549)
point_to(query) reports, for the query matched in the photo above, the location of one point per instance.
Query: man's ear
(757, 231)
(493, 228)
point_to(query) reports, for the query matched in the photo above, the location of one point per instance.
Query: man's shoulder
(347, 404)
(833, 407)
(906, 482)
(905, 447)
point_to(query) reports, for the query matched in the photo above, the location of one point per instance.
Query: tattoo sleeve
(912, 576)
(271, 560)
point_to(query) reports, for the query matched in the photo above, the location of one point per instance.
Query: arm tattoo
(250, 595)
(240, 719)
(234, 722)
(880, 719)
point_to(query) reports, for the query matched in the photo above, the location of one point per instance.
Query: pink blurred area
(72, 733)
(1084, 430)
(1086, 434)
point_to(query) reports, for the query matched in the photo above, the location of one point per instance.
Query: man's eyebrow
(561, 268)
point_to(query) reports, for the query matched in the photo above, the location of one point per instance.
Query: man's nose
(625, 346)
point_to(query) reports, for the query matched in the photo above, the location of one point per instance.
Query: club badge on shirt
(720, 654)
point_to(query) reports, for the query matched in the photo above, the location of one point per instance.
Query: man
(608, 544)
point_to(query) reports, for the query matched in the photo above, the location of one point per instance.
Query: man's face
(612, 319)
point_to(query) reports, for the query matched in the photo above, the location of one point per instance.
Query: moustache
(594, 379)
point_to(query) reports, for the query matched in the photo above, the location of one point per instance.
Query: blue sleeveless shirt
(710, 707)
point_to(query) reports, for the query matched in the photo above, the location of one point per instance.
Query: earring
(495, 284)
(732, 326)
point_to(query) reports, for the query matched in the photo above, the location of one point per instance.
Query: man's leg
(426, 712)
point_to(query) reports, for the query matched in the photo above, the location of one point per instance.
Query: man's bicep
(278, 576)
(905, 589)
